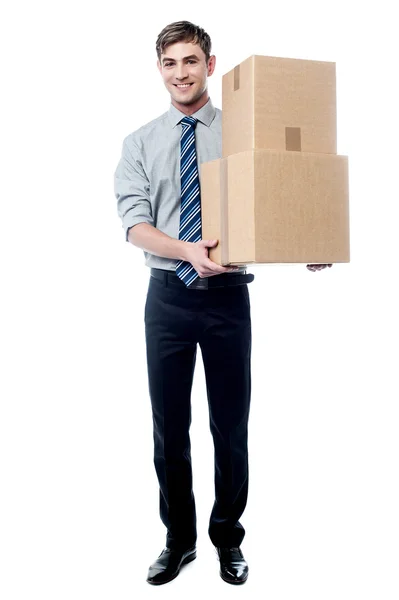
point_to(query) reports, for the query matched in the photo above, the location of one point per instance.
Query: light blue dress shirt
(147, 178)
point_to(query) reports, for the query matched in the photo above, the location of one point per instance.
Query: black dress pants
(218, 319)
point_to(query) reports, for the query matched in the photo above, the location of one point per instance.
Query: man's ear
(211, 64)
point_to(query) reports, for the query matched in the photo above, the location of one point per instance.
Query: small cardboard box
(273, 206)
(281, 104)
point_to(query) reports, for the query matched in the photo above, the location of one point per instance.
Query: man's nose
(181, 72)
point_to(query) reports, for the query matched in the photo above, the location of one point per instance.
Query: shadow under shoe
(233, 566)
(168, 564)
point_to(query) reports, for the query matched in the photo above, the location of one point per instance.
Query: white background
(79, 500)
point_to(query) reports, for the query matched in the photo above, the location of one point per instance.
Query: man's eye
(171, 64)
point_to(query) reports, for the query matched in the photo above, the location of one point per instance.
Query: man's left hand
(317, 267)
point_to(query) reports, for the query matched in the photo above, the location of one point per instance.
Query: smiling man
(190, 300)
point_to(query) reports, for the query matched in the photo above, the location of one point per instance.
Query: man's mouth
(183, 86)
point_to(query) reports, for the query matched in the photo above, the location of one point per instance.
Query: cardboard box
(281, 104)
(271, 206)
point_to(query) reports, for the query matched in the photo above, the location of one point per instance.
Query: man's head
(184, 56)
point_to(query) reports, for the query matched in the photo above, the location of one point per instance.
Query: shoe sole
(188, 559)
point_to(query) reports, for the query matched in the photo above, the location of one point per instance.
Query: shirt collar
(205, 114)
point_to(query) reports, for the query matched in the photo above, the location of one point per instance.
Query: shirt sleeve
(132, 188)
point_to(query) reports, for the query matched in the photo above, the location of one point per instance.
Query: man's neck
(189, 109)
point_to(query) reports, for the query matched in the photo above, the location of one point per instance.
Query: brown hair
(183, 31)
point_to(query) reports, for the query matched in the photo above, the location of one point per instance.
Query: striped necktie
(190, 208)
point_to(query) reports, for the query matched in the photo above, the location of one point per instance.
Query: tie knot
(191, 121)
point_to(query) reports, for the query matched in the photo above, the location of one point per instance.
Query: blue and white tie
(190, 208)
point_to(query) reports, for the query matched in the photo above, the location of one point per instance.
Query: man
(190, 300)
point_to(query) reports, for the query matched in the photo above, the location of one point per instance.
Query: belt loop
(165, 279)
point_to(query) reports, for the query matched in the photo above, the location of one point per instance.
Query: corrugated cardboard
(281, 104)
(271, 206)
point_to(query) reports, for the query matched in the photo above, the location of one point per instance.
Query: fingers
(230, 269)
(317, 267)
(212, 268)
(223, 270)
(219, 268)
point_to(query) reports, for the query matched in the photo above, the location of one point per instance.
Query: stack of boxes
(279, 194)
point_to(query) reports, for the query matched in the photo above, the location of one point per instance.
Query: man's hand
(317, 267)
(197, 255)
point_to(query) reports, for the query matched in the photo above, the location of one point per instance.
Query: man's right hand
(197, 255)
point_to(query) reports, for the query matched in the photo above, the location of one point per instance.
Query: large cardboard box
(273, 206)
(281, 104)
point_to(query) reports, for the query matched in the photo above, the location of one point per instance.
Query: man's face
(184, 63)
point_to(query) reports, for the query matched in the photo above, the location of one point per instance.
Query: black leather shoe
(167, 566)
(233, 567)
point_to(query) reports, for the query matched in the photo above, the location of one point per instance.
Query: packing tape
(293, 138)
(236, 77)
